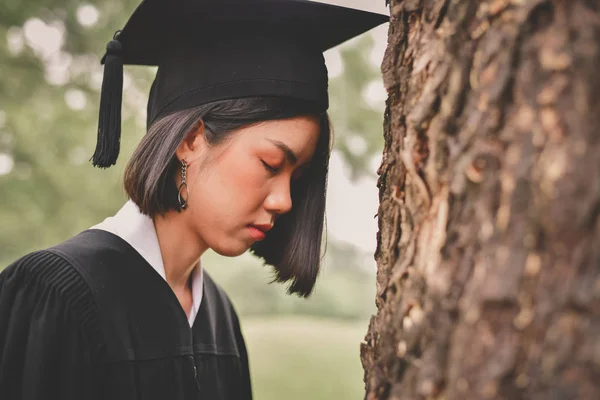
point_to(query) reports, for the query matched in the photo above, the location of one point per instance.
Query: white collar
(138, 230)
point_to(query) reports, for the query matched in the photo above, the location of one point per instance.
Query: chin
(230, 249)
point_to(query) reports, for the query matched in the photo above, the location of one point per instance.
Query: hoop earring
(183, 199)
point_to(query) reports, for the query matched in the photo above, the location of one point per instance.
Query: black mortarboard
(210, 50)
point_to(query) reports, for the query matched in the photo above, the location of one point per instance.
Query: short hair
(293, 246)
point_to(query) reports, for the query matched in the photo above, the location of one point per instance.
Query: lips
(264, 228)
(259, 232)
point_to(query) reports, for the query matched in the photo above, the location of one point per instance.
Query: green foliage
(52, 191)
(354, 119)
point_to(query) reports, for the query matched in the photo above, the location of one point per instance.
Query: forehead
(300, 134)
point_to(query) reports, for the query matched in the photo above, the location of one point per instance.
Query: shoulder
(71, 267)
(44, 300)
(45, 277)
(43, 268)
(94, 245)
(100, 257)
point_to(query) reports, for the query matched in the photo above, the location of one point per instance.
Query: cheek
(229, 191)
(222, 203)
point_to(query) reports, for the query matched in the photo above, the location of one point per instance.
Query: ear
(194, 145)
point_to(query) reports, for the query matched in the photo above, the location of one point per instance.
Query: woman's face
(237, 188)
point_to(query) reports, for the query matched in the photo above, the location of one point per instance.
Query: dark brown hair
(293, 246)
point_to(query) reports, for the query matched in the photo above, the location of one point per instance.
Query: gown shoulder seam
(53, 271)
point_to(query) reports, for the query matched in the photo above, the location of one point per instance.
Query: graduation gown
(91, 319)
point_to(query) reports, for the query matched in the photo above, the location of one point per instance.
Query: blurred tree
(50, 77)
(358, 124)
(488, 259)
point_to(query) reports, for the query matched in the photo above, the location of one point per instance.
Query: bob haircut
(293, 246)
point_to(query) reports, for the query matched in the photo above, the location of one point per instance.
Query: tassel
(111, 97)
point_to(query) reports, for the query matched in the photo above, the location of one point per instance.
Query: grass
(305, 358)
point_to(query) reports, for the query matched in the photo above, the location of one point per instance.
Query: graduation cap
(211, 50)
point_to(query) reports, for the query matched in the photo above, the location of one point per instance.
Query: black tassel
(111, 98)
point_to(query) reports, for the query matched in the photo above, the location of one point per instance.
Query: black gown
(91, 319)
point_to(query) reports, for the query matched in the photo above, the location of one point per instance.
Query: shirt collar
(138, 230)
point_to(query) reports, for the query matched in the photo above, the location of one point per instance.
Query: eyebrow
(289, 153)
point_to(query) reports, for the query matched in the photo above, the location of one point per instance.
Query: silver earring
(183, 192)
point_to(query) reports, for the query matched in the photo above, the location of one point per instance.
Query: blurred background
(50, 76)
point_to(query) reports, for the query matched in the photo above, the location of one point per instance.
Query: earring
(183, 199)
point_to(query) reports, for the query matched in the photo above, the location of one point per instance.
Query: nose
(279, 200)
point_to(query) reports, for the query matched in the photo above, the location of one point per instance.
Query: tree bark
(488, 283)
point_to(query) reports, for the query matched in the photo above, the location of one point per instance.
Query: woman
(235, 157)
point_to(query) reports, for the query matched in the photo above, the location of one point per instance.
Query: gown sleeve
(48, 347)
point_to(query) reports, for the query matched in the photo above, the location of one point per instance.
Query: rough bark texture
(488, 281)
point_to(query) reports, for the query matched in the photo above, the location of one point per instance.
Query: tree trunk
(488, 255)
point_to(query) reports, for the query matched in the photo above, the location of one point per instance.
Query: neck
(180, 248)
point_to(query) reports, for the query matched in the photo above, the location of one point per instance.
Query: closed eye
(270, 168)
